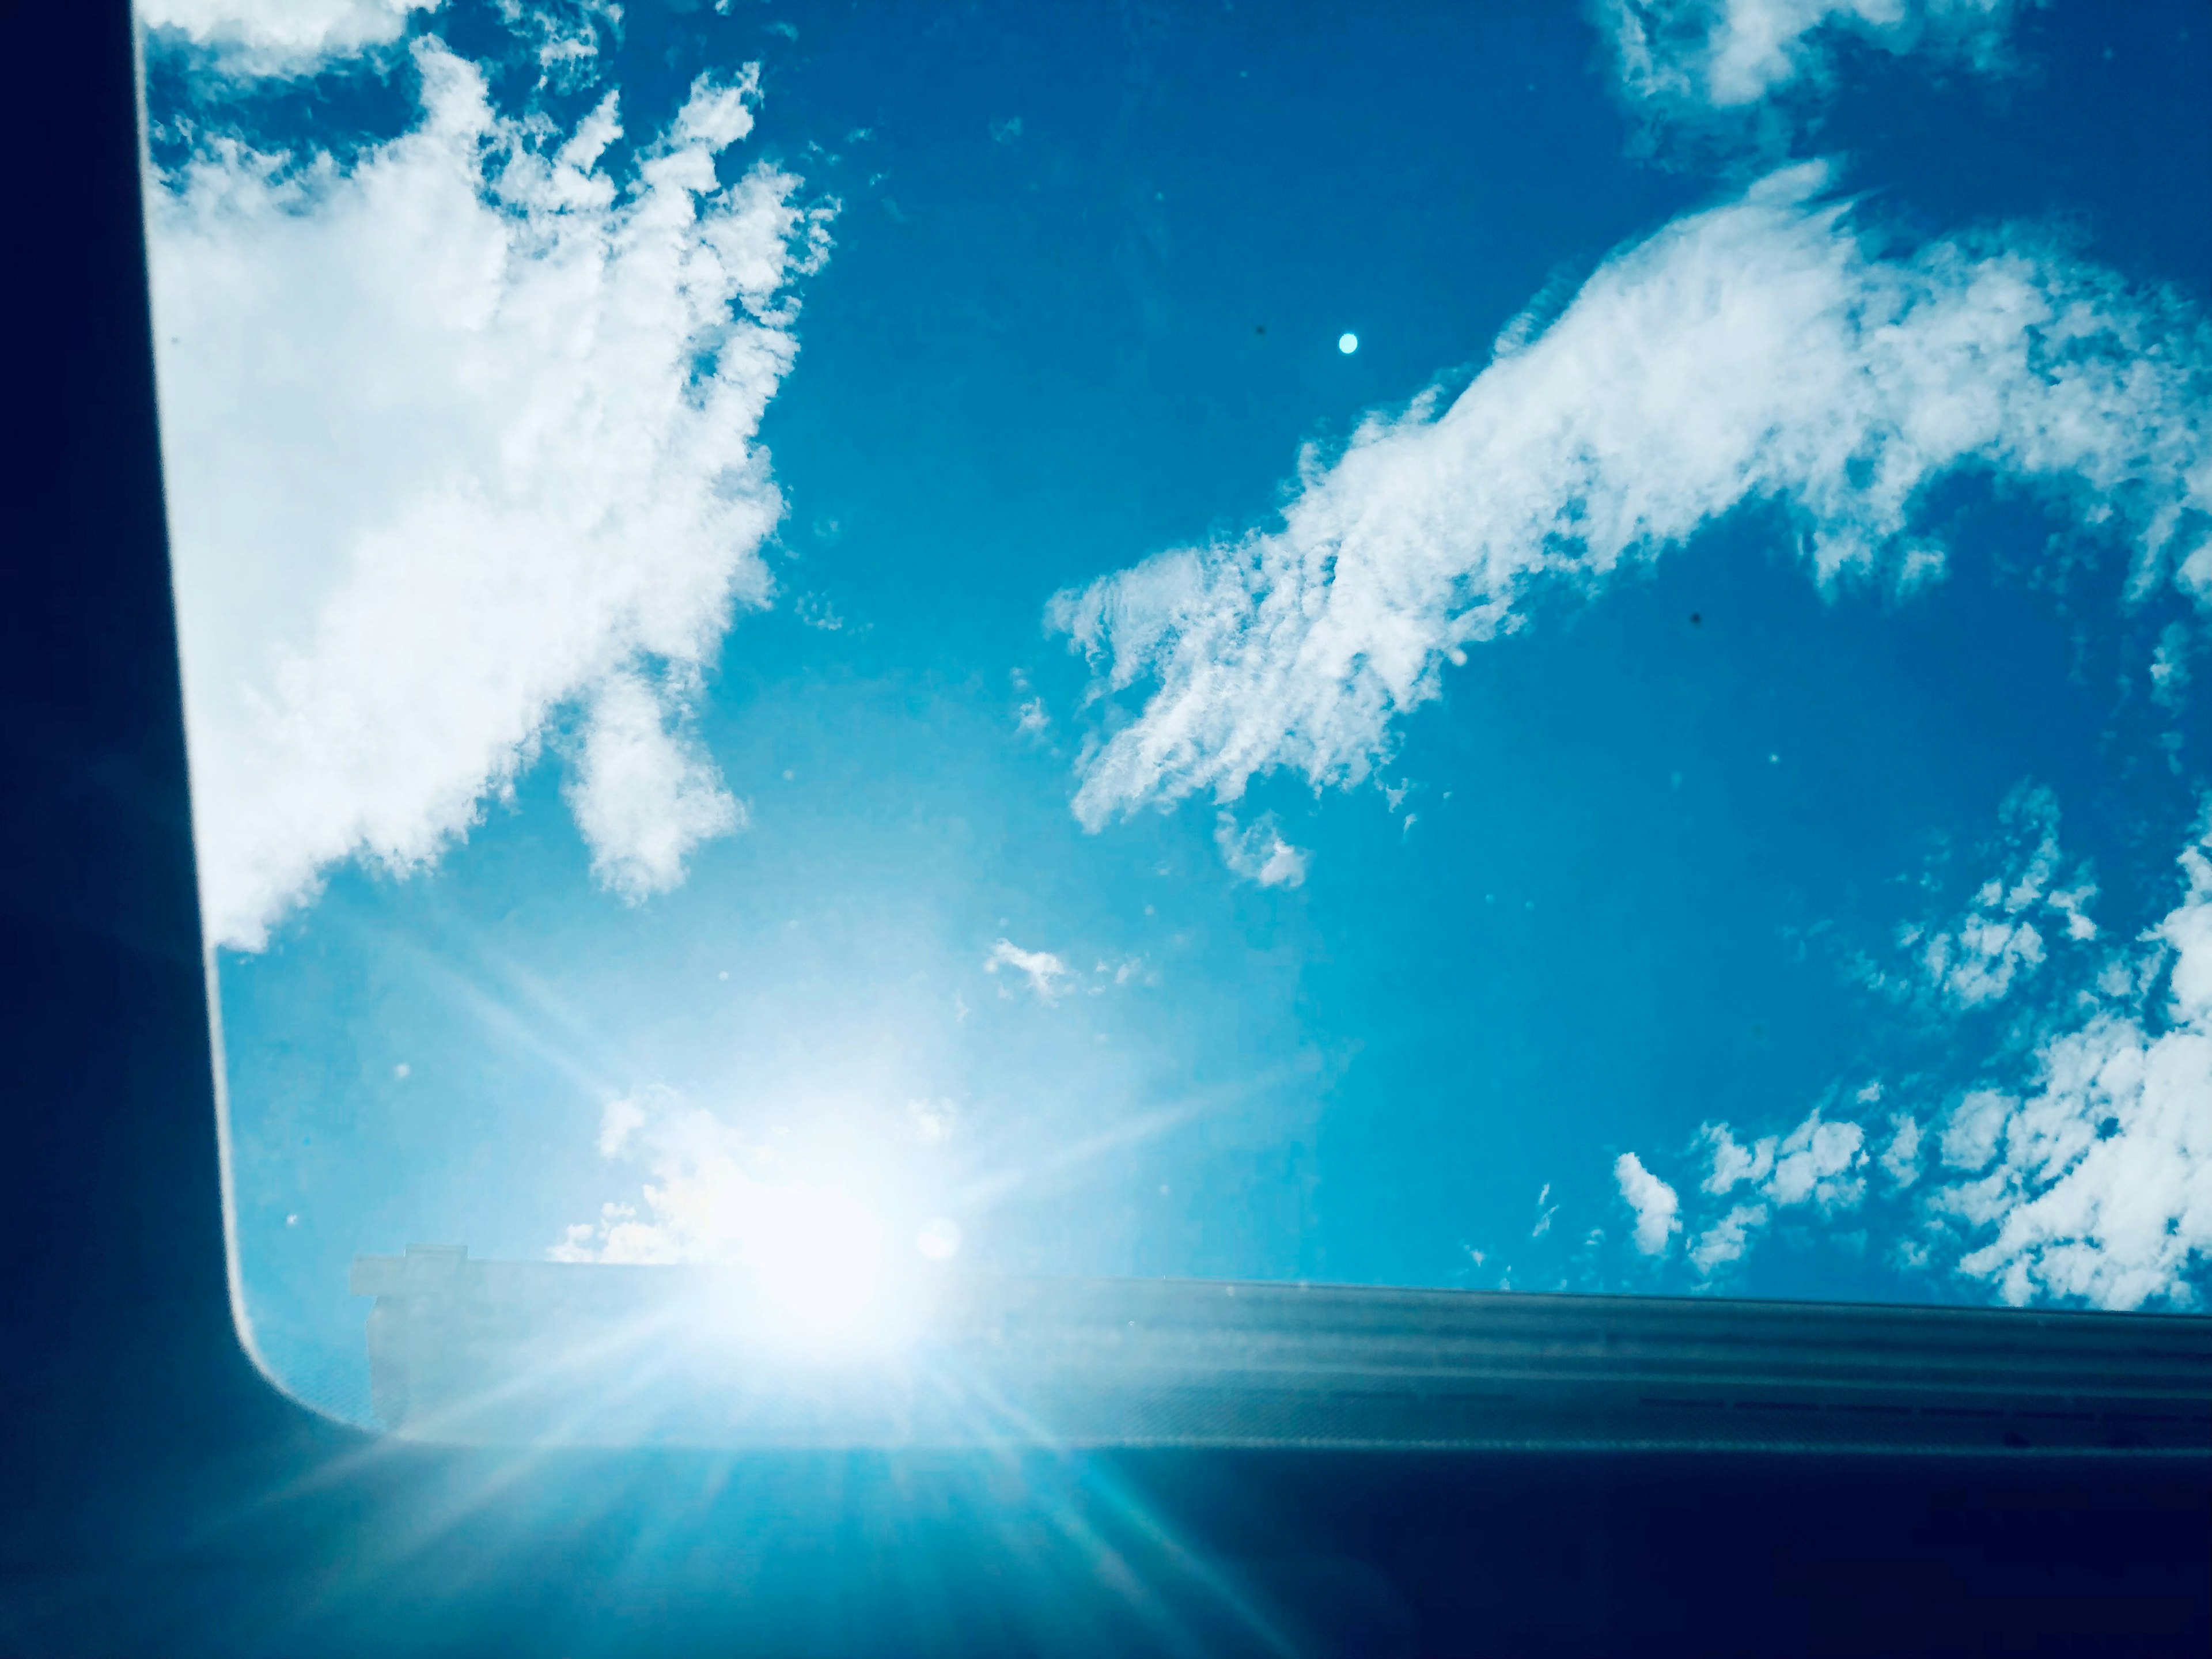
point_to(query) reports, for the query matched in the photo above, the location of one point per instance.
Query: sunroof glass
(1517, 647)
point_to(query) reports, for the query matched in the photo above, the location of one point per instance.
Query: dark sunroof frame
(1257, 1468)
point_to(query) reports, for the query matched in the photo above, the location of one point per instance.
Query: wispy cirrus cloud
(564, 35)
(1762, 351)
(282, 37)
(1258, 853)
(1978, 956)
(1048, 976)
(460, 435)
(1689, 57)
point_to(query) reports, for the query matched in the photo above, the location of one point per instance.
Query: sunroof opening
(868, 648)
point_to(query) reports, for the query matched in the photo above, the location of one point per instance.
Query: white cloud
(1727, 1239)
(623, 1119)
(1259, 853)
(2169, 666)
(1733, 1163)
(931, 1120)
(1684, 56)
(2097, 1178)
(1970, 1137)
(1816, 1162)
(1978, 963)
(1900, 1159)
(565, 35)
(1759, 352)
(1819, 1163)
(1981, 955)
(1653, 1200)
(1129, 968)
(1043, 970)
(644, 796)
(282, 37)
(2087, 1176)
(1978, 960)
(1545, 1211)
(458, 435)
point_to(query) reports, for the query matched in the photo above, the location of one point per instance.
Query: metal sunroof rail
(520, 1352)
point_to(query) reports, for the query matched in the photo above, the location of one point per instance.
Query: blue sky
(837, 637)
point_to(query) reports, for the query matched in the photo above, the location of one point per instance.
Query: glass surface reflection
(1499, 648)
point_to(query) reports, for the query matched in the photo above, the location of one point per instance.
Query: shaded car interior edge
(158, 1496)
